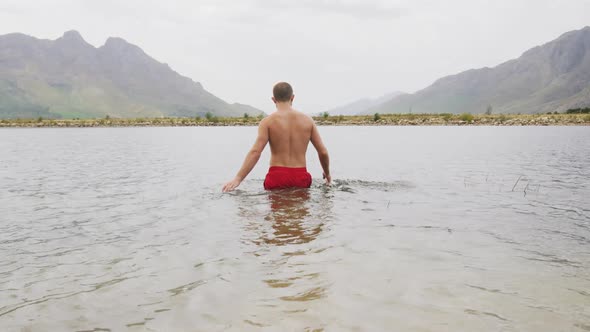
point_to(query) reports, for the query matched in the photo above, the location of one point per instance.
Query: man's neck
(284, 107)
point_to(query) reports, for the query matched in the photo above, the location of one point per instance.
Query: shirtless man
(289, 133)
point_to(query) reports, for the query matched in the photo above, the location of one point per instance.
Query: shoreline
(366, 120)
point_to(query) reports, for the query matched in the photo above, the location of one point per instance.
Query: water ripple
(418, 231)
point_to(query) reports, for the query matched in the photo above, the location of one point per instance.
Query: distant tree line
(585, 110)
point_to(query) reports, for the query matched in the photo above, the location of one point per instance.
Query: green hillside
(69, 78)
(548, 78)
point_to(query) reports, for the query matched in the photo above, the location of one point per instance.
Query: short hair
(282, 91)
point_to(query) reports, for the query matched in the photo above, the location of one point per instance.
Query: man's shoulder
(265, 121)
(293, 114)
(269, 118)
(303, 115)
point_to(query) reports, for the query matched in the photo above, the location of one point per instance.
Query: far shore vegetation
(579, 116)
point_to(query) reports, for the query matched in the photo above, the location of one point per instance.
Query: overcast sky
(332, 51)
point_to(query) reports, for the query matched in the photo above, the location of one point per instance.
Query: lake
(424, 229)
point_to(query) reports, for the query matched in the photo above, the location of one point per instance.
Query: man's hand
(233, 184)
(328, 179)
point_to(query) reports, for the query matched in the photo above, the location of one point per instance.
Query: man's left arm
(251, 158)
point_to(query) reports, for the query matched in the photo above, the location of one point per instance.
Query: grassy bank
(366, 120)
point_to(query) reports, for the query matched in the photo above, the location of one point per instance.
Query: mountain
(551, 77)
(67, 78)
(362, 105)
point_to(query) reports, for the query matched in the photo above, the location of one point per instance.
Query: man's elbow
(255, 153)
(323, 153)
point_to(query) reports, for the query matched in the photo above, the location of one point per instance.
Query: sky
(332, 51)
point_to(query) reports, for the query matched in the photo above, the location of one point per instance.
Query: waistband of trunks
(288, 169)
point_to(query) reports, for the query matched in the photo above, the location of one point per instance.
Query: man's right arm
(251, 158)
(323, 155)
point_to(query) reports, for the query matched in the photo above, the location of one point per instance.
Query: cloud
(367, 9)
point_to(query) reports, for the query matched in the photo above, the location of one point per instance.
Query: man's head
(282, 92)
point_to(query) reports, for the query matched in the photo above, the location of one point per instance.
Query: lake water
(424, 229)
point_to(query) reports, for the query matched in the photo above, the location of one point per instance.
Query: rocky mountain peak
(73, 35)
(72, 41)
(121, 46)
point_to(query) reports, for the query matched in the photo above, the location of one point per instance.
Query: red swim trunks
(287, 177)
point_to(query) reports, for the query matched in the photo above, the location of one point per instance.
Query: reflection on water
(294, 218)
(289, 215)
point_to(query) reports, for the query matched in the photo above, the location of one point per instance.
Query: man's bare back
(289, 132)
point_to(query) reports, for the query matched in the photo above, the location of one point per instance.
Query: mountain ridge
(68, 77)
(554, 76)
(360, 105)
